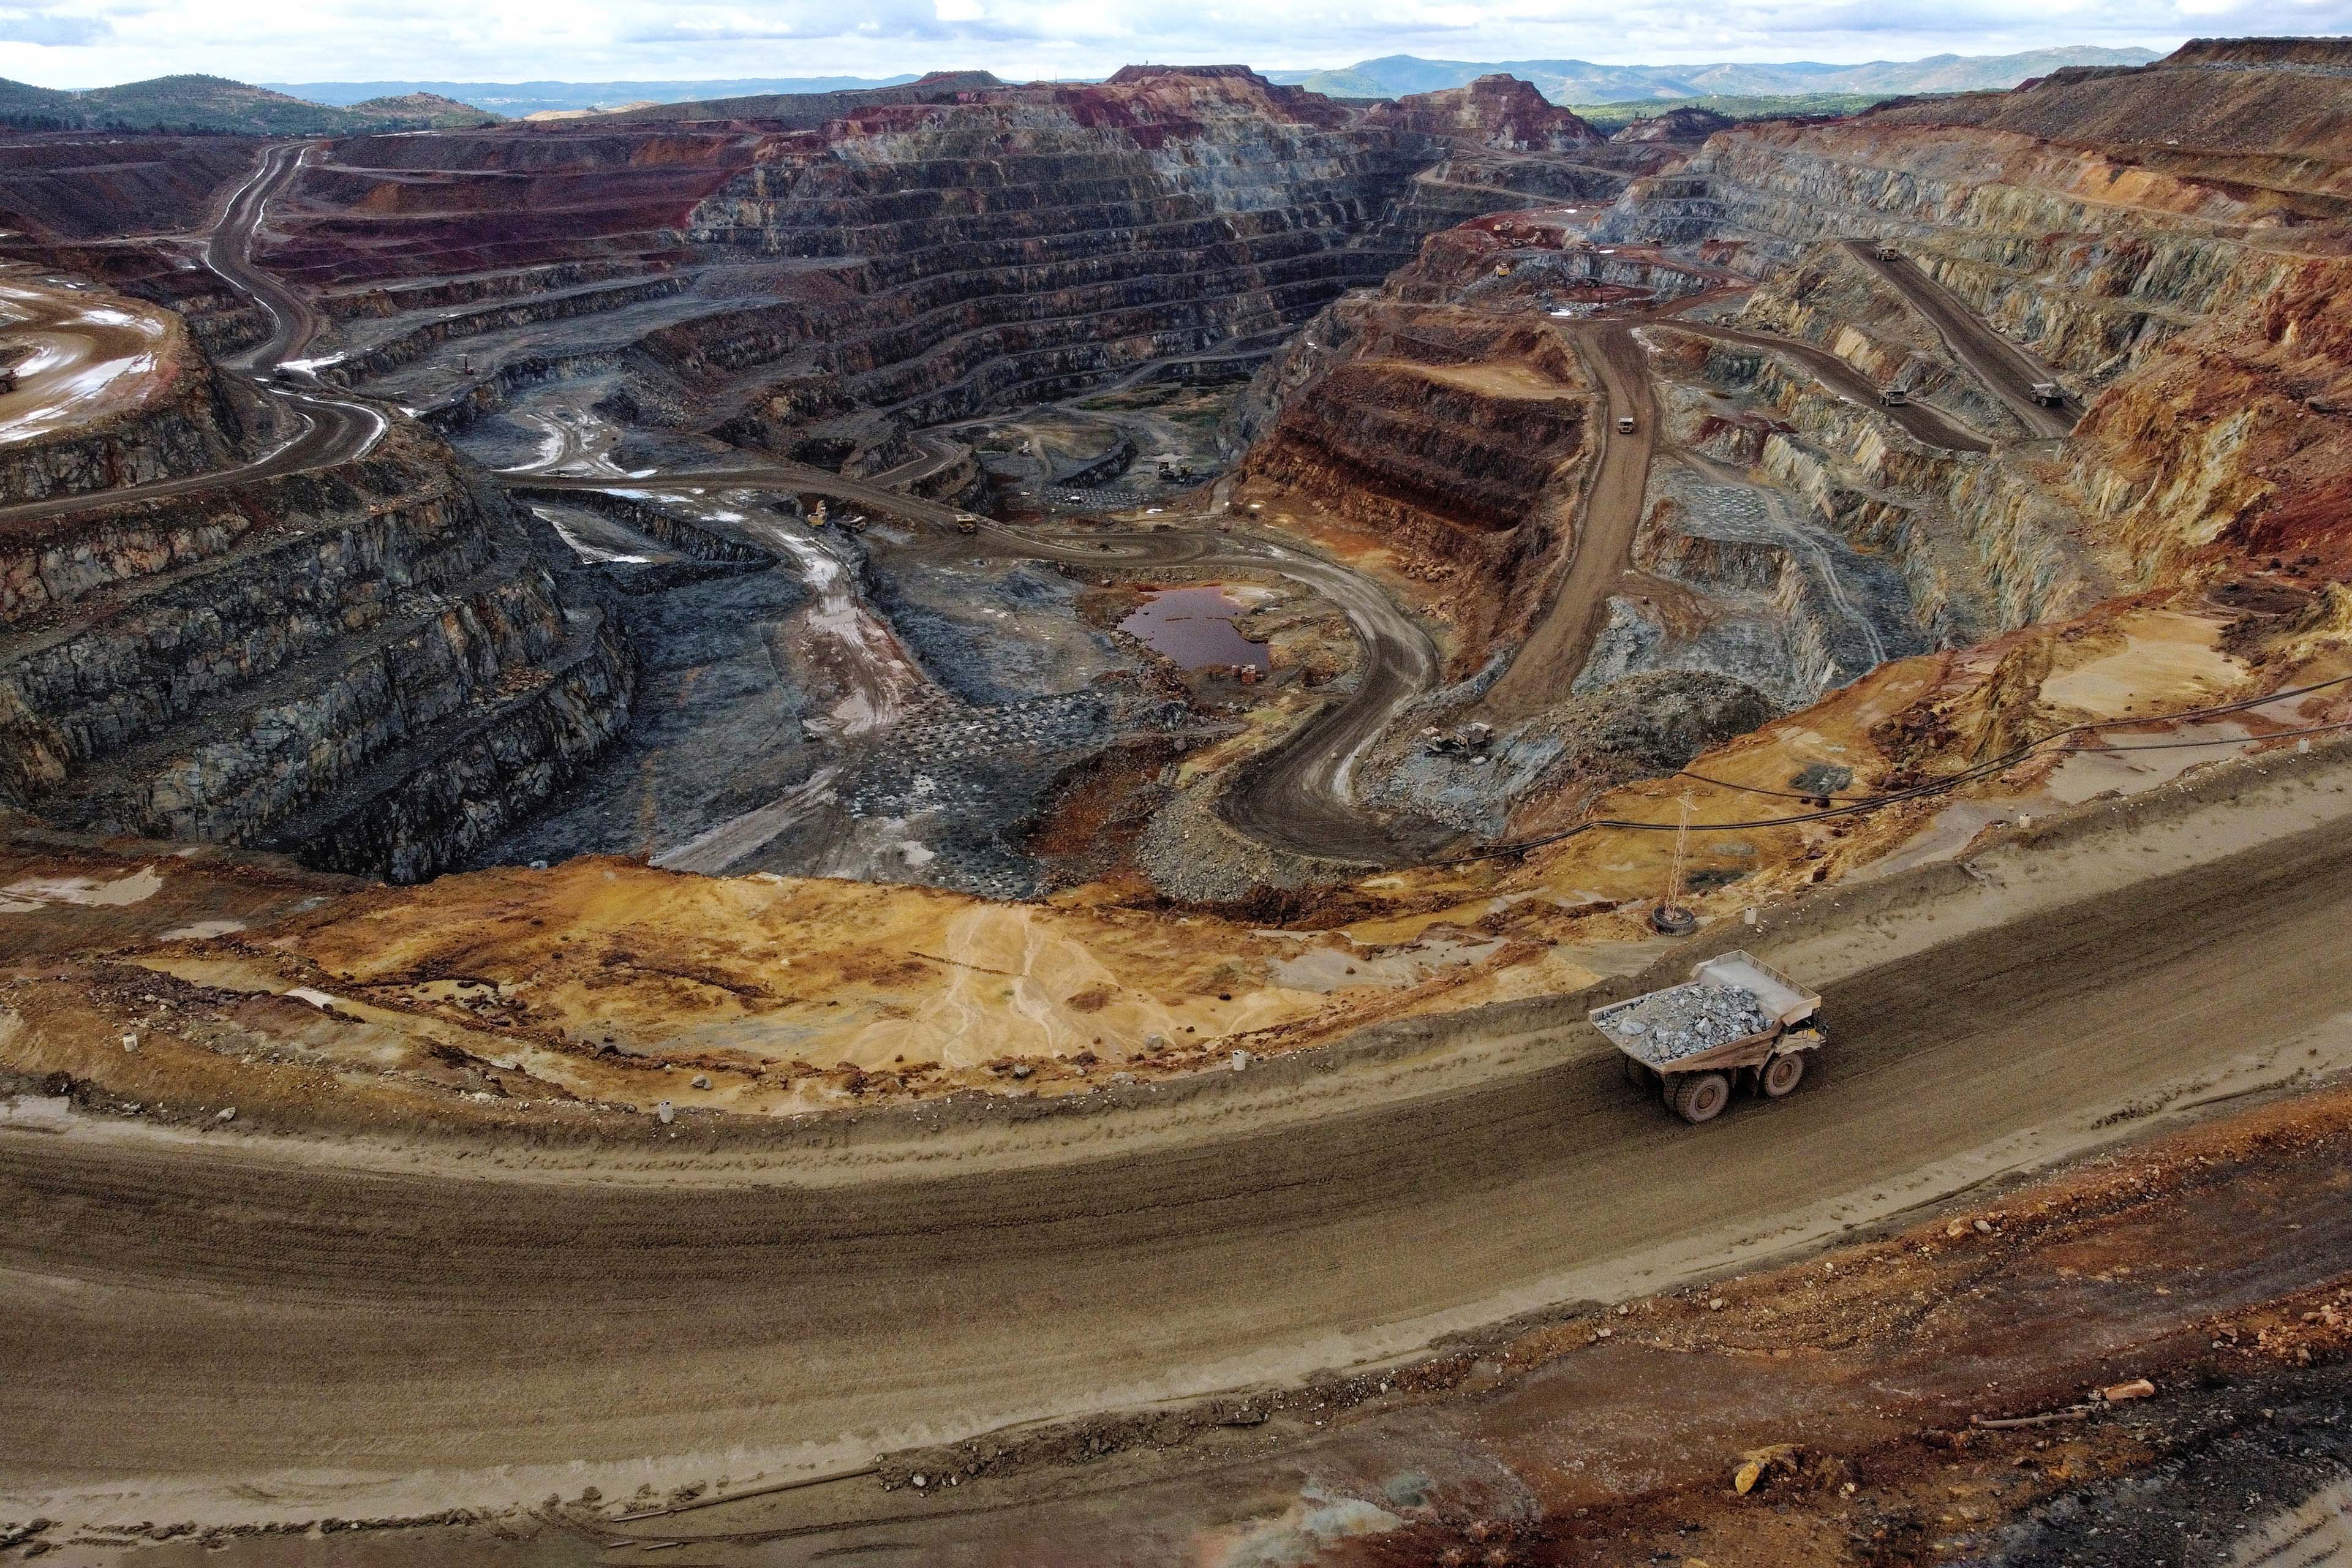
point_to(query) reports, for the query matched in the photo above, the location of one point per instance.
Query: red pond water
(1194, 627)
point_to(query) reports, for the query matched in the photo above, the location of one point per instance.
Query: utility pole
(1670, 917)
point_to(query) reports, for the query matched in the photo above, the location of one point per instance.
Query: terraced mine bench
(1738, 1022)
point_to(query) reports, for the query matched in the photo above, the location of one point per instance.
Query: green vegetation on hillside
(211, 103)
(1747, 106)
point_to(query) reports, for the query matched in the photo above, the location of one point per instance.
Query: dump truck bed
(1779, 1000)
(1782, 997)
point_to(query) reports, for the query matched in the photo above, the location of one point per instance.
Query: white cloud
(50, 29)
(88, 43)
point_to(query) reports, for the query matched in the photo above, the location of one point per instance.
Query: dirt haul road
(2004, 369)
(1548, 663)
(328, 430)
(1923, 423)
(202, 1323)
(1299, 797)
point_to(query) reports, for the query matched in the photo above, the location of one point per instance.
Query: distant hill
(810, 109)
(218, 104)
(1583, 82)
(427, 108)
(1729, 107)
(516, 98)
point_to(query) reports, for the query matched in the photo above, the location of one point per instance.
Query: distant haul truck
(1738, 1022)
(1888, 253)
(1895, 397)
(966, 524)
(2049, 393)
(1625, 425)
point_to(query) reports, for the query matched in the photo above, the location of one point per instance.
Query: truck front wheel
(1701, 1096)
(1782, 1074)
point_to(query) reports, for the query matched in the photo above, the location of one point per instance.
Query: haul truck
(1738, 1022)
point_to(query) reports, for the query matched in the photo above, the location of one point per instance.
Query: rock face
(1685, 125)
(1017, 249)
(1499, 144)
(818, 276)
(374, 667)
(1498, 112)
(190, 430)
(132, 398)
(97, 183)
(1448, 417)
(2167, 241)
(2157, 235)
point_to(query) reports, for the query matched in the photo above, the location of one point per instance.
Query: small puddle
(1194, 627)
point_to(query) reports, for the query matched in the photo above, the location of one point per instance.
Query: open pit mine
(881, 823)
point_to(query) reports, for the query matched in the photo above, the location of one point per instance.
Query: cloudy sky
(90, 43)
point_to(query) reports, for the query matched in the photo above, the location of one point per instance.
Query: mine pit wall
(1013, 251)
(657, 523)
(1736, 565)
(384, 300)
(1833, 302)
(1455, 482)
(1023, 245)
(1458, 483)
(1982, 542)
(507, 200)
(1793, 666)
(312, 645)
(187, 428)
(495, 391)
(468, 783)
(2115, 272)
(1465, 186)
(414, 345)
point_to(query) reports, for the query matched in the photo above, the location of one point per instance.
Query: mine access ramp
(1738, 1022)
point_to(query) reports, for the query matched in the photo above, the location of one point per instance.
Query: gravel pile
(1668, 1026)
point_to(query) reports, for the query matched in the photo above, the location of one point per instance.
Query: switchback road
(1923, 423)
(328, 430)
(2004, 368)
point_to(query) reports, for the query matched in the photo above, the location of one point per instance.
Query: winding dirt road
(329, 430)
(1296, 797)
(209, 1324)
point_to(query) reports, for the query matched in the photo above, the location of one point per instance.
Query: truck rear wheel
(1782, 1074)
(1701, 1096)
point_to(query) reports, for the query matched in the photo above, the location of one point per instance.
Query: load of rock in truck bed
(1683, 1020)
